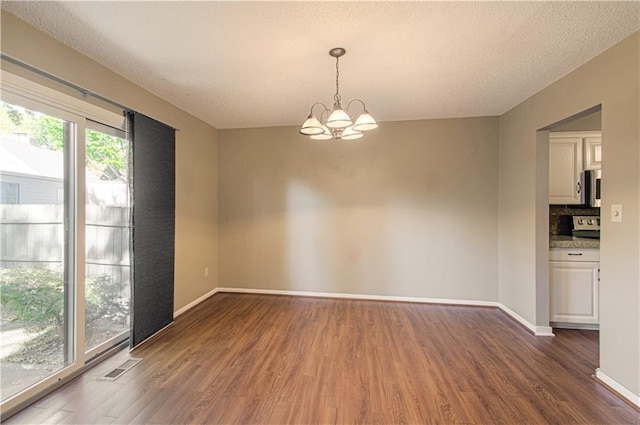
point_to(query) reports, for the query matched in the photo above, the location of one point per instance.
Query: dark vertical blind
(153, 226)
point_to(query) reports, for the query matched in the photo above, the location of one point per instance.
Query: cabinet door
(593, 153)
(574, 292)
(565, 171)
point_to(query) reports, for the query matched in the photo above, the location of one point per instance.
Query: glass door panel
(36, 292)
(107, 230)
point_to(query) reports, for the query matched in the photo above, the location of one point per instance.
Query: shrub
(104, 300)
(35, 297)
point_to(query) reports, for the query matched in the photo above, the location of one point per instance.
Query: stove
(586, 226)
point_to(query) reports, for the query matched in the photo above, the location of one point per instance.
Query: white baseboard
(615, 386)
(361, 297)
(536, 330)
(194, 303)
(582, 326)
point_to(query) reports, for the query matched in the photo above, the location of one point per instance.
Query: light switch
(616, 213)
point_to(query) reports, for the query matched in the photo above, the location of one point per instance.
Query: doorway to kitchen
(575, 150)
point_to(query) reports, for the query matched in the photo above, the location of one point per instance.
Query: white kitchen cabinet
(593, 152)
(574, 279)
(565, 169)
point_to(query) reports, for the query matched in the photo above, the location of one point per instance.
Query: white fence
(33, 236)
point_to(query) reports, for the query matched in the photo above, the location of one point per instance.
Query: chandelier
(337, 123)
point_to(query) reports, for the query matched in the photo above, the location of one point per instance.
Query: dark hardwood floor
(260, 359)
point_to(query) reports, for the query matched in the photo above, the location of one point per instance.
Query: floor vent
(120, 370)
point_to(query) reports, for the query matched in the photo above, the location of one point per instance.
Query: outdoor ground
(18, 369)
(26, 357)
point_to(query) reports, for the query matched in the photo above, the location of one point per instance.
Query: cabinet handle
(578, 187)
(572, 253)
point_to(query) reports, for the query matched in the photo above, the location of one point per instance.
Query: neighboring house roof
(19, 156)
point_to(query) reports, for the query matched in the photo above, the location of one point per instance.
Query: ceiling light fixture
(337, 123)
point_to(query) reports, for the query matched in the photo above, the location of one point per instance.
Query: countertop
(561, 241)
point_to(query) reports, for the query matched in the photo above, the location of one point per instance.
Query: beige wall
(611, 80)
(408, 210)
(591, 122)
(196, 148)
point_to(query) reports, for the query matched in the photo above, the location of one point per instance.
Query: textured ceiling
(259, 64)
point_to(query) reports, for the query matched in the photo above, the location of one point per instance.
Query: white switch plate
(616, 213)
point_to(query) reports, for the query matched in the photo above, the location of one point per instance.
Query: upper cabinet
(593, 152)
(570, 154)
(565, 170)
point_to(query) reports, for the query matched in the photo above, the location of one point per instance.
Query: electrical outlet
(616, 213)
(206, 271)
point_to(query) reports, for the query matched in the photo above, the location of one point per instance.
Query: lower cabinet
(574, 278)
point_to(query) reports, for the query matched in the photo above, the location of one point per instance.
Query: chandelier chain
(337, 95)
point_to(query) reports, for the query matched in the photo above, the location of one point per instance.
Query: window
(10, 193)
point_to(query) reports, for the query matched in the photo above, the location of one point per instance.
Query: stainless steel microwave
(592, 187)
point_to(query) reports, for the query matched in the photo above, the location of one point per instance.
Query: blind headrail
(84, 92)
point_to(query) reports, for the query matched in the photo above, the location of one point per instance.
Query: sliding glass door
(107, 230)
(64, 237)
(36, 270)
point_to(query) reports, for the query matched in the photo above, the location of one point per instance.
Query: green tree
(50, 133)
(13, 114)
(106, 154)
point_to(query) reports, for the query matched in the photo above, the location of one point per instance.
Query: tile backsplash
(560, 221)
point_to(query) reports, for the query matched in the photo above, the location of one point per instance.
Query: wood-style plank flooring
(258, 359)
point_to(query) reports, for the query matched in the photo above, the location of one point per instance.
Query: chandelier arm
(324, 115)
(364, 107)
(321, 104)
